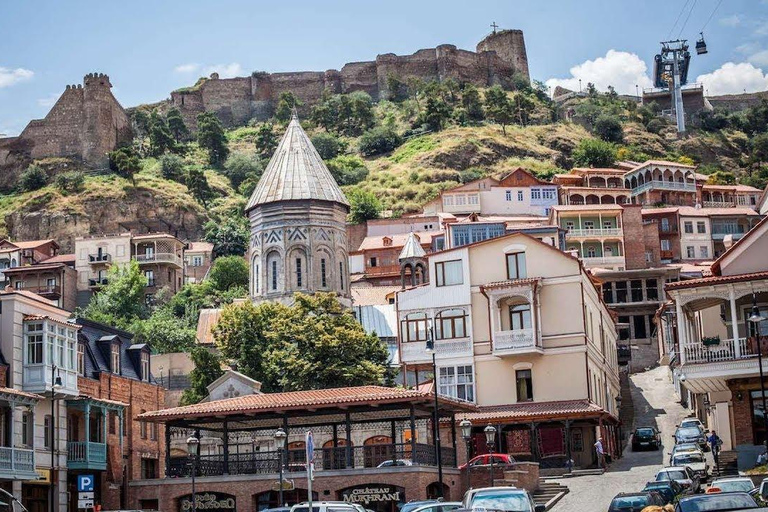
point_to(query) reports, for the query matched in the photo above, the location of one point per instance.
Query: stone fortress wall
(237, 100)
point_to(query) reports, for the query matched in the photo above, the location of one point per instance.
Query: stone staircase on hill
(627, 409)
(549, 493)
(728, 465)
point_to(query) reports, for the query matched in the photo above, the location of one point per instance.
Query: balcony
(52, 291)
(17, 463)
(160, 257)
(594, 233)
(383, 270)
(95, 259)
(95, 283)
(663, 185)
(416, 351)
(521, 341)
(598, 261)
(667, 255)
(719, 204)
(37, 379)
(720, 230)
(86, 455)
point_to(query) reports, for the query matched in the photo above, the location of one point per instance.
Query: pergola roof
(325, 401)
(530, 411)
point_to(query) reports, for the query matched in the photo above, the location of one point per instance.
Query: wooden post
(348, 427)
(226, 447)
(394, 442)
(413, 433)
(167, 446)
(453, 439)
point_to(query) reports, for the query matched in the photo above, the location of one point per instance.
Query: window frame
(114, 358)
(518, 267)
(688, 227)
(701, 227)
(440, 273)
(526, 376)
(417, 319)
(447, 318)
(457, 380)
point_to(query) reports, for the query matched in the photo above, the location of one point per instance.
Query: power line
(711, 15)
(686, 19)
(678, 18)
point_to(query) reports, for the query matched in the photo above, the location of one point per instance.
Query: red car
(499, 459)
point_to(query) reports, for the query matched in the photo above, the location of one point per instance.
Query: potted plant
(710, 341)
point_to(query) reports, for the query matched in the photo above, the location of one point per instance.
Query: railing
(724, 351)
(160, 257)
(99, 258)
(94, 453)
(98, 282)
(663, 185)
(417, 350)
(521, 340)
(43, 290)
(719, 204)
(728, 229)
(594, 232)
(603, 260)
(267, 462)
(384, 269)
(17, 459)
(669, 228)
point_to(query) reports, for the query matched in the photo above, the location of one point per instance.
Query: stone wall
(652, 243)
(634, 248)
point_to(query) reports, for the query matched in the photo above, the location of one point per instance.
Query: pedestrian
(600, 453)
(714, 443)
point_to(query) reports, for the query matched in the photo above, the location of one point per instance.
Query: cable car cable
(678, 18)
(686, 19)
(711, 15)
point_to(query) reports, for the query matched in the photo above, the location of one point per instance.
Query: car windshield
(645, 432)
(687, 458)
(734, 485)
(688, 432)
(408, 507)
(508, 502)
(717, 502)
(663, 476)
(689, 423)
(683, 447)
(633, 502)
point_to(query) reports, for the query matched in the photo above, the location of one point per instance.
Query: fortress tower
(298, 217)
(509, 45)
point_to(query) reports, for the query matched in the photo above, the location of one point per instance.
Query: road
(655, 405)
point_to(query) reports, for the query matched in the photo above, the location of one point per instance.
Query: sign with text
(374, 496)
(84, 503)
(208, 501)
(85, 483)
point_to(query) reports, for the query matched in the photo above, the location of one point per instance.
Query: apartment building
(517, 193)
(656, 182)
(730, 196)
(593, 232)
(160, 256)
(476, 228)
(585, 185)
(198, 258)
(513, 313)
(54, 278)
(376, 260)
(714, 332)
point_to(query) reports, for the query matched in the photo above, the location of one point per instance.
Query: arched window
(341, 275)
(450, 324)
(323, 273)
(591, 253)
(274, 283)
(297, 263)
(414, 327)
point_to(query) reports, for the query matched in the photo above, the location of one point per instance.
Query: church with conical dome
(297, 214)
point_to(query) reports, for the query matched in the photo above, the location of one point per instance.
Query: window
(149, 252)
(457, 382)
(508, 195)
(256, 279)
(47, 431)
(623, 328)
(27, 429)
(71, 363)
(621, 291)
(473, 199)
(636, 290)
(688, 226)
(701, 227)
(516, 266)
(81, 359)
(148, 468)
(448, 273)
(150, 275)
(638, 322)
(704, 251)
(461, 200)
(608, 293)
(665, 224)
(535, 193)
(665, 245)
(548, 193)
(607, 224)
(298, 273)
(652, 289)
(115, 360)
(197, 261)
(274, 274)
(690, 251)
(414, 327)
(524, 386)
(153, 431)
(519, 195)
(145, 365)
(19, 285)
(450, 324)
(34, 342)
(323, 277)
(341, 275)
(448, 201)
(50, 284)
(520, 317)
(374, 262)
(648, 256)
(143, 427)
(591, 251)
(569, 225)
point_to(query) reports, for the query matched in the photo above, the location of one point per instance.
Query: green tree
(436, 113)
(326, 145)
(125, 162)
(172, 167)
(363, 206)
(140, 122)
(523, 106)
(160, 137)
(33, 178)
(379, 140)
(207, 369)
(165, 332)
(594, 153)
(210, 137)
(198, 185)
(755, 119)
(347, 114)
(121, 301)
(228, 272)
(314, 344)
(285, 105)
(242, 166)
(759, 147)
(498, 107)
(229, 236)
(721, 178)
(70, 181)
(473, 105)
(176, 125)
(347, 169)
(266, 140)
(609, 129)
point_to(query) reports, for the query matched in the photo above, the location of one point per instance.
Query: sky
(151, 47)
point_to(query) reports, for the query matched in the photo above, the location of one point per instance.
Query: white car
(694, 460)
(501, 498)
(680, 474)
(692, 422)
(393, 463)
(470, 494)
(442, 506)
(734, 484)
(328, 506)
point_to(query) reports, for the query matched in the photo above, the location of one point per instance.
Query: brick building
(198, 258)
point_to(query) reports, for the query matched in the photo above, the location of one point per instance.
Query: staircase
(549, 493)
(728, 465)
(627, 409)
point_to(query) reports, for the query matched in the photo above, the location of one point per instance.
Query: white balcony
(603, 261)
(160, 257)
(416, 351)
(663, 185)
(37, 379)
(594, 233)
(727, 350)
(521, 341)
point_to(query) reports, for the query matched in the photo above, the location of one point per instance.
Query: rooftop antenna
(494, 26)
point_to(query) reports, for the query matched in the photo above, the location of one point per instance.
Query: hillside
(422, 144)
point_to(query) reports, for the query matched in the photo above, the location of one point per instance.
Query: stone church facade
(297, 214)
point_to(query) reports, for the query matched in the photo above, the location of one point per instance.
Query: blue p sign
(84, 483)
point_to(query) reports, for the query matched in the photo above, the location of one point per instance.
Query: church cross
(494, 26)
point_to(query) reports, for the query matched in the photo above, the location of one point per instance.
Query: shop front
(376, 497)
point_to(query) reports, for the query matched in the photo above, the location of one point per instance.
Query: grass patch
(413, 147)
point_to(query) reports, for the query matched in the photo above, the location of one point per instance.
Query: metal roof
(296, 172)
(412, 248)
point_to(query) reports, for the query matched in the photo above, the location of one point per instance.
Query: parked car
(684, 447)
(277, 509)
(502, 499)
(693, 460)
(692, 422)
(716, 502)
(413, 505)
(691, 435)
(733, 484)
(668, 490)
(635, 501)
(485, 460)
(9, 503)
(447, 506)
(470, 494)
(328, 506)
(687, 479)
(394, 463)
(764, 489)
(646, 437)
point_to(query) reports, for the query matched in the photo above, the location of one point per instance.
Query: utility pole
(673, 61)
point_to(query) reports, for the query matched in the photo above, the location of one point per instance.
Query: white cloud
(733, 78)
(748, 48)
(622, 70)
(762, 29)
(187, 68)
(759, 58)
(48, 101)
(734, 20)
(224, 70)
(10, 77)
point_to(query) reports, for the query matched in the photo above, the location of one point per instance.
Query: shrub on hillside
(609, 129)
(33, 178)
(594, 153)
(326, 145)
(443, 175)
(240, 167)
(655, 125)
(379, 140)
(363, 206)
(172, 167)
(70, 181)
(347, 169)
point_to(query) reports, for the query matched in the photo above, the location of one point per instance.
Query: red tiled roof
(586, 207)
(737, 188)
(200, 247)
(46, 317)
(692, 283)
(598, 170)
(293, 400)
(377, 242)
(533, 410)
(61, 258)
(510, 282)
(31, 244)
(16, 392)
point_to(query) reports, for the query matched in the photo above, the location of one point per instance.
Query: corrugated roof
(737, 188)
(296, 172)
(533, 410)
(207, 320)
(412, 248)
(35, 268)
(378, 318)
(31, 244)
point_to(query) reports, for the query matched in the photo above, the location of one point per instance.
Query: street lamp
(55, 385)
(466, 434)
(430, 349)
(193, 447)
(755, 318)
(280, 437)
(490, 441)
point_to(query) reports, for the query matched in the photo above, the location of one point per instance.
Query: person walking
(714, 443)
(600, 453)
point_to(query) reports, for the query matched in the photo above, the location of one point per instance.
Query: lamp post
(490, 441)
(755, 318)
(466, 434)
(55, 384)
(280, 437)
(430, 349)
(193, 447)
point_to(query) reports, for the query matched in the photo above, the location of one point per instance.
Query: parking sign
(85, 483)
